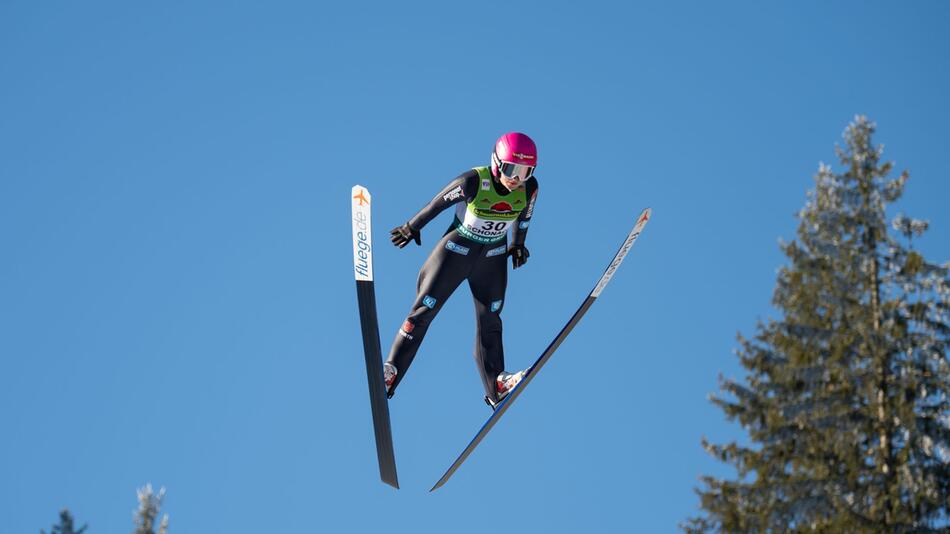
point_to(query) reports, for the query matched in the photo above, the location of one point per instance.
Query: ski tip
(393, 483)
(645, 215)
(361, 196)
(439, 484)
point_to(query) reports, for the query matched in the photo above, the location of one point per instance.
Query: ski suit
(474, 248)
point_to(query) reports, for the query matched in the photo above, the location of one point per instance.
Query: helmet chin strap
(497, 177)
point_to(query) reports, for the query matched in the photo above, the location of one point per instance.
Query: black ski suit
(456, 258)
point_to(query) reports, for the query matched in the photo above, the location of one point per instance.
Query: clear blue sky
(177, 303)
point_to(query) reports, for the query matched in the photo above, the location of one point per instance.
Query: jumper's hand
(519, 255)
(402, 235)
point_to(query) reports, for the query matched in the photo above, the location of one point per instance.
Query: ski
(503, 406)
(366, 297)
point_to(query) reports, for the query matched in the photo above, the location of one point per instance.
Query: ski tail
(369, 323)
(503, 406)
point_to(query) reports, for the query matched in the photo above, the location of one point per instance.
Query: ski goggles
(515, 172)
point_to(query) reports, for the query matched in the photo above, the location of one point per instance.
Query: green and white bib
(488, 216)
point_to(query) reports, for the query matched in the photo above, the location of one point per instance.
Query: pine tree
(66, 525)
(847, 396)
(150, 505)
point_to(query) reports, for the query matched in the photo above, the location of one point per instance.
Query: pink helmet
(515, 157)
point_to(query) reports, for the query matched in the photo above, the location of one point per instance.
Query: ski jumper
(474, 248)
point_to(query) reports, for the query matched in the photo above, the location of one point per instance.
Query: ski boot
(504, 384)
(389, 376)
